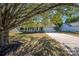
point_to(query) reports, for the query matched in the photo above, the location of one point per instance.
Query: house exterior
(35, 29)
(70, 27)
(49, 28)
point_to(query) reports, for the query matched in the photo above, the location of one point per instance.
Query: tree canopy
(14, 14)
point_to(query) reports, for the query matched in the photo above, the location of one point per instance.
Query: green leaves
(12, 15)
(57, 19)
(72, 19)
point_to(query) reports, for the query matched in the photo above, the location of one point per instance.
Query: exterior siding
(49, 29)
(68, 28)
(65, 27)
(75, 29)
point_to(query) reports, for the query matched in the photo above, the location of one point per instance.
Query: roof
(74, 24)
(69, 24)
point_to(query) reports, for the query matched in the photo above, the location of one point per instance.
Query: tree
(57, 19)
(71, 12)
(12, 15)
(72, 19)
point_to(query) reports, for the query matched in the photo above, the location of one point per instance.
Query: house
(70, 27)
(49, 28)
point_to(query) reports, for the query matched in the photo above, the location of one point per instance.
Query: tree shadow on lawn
(40, 47)
(10, 48)
(43, 46)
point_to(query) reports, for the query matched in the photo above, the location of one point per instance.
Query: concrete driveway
(69, 42)
(67, 39)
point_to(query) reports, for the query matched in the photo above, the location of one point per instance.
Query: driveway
(69, 42)
(67, 39)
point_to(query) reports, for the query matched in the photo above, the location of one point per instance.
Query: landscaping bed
(37, 45)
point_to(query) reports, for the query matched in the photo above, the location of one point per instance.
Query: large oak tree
(12, 15)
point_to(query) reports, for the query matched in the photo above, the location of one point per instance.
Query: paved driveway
(67, 39)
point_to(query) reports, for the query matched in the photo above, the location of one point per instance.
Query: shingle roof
(74, 24)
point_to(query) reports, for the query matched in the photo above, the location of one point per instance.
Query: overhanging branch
(37, 11)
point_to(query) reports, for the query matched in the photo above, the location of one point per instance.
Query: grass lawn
(26, 36)
(36, 44)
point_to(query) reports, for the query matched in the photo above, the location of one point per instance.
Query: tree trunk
(4, 38)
